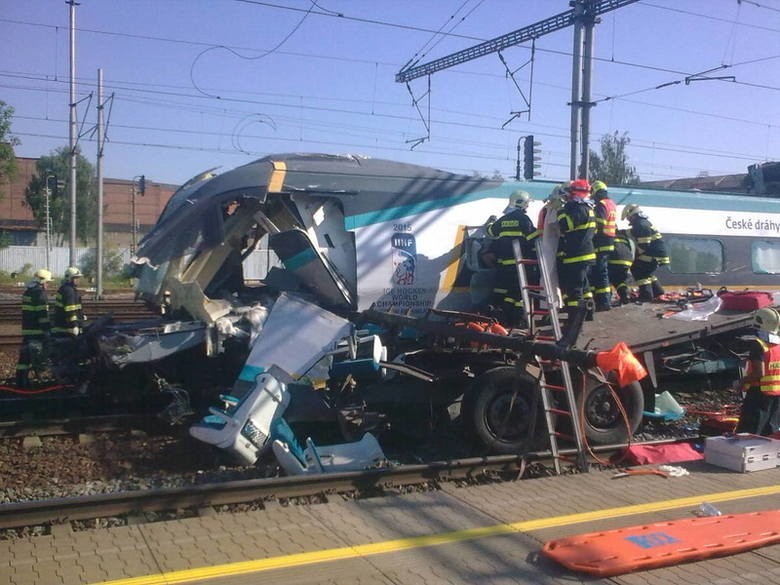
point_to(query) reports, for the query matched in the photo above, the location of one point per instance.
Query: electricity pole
(582, 17)
(133, 230)
(72, 131)
(100, 142)
(47, 193)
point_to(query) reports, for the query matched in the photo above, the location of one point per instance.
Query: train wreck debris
(309, 288)
(350, 240)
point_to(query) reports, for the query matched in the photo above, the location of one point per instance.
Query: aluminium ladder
(567, 406)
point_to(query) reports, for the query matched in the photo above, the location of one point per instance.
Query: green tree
(114, 266)
(612, 166)
(56, 167)
(7, 143)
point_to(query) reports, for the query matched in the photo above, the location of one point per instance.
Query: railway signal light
(142, 185)
(530, 157)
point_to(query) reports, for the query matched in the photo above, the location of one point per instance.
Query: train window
(765, 257)
(695, 255)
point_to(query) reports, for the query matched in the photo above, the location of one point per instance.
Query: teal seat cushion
(282, 431)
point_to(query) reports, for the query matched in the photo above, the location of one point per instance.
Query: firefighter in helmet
(35, 325)
(650, 252)
(760, 414)
(619, 264)
(513, 225)
(577, 224)
(604, 242)
(68, 315)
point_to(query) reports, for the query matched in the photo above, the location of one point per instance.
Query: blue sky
(217, 83)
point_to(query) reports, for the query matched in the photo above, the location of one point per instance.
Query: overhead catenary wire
(455, 122)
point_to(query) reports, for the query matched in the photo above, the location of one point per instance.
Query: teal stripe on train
(538, 191)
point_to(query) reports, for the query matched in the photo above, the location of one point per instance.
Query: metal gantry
(582, 16)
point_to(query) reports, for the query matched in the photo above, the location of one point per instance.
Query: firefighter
(513, 225)
(35, 326)
(603, 241)
(619, 264)
(650, 252)
(577, 224)
(760, 414)
(552, 204)
(68, 315)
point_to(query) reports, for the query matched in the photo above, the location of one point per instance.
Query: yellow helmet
(596, 187)
(767, 319)
(72, 272)
(630, 210)
(42, 275)
(520, 199)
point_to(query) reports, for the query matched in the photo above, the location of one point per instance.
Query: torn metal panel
(296, 335)
(299, 256)
(151, 344)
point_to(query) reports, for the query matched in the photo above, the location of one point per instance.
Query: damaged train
(373, 269)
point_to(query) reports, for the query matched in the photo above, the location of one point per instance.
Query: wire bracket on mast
(415, 142)
(81, 131)
(110, 101)
(511, 75)
(702, 76)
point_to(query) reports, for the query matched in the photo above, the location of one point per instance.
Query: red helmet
(579, 189)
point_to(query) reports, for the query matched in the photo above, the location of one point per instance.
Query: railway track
(15, 429)
(122, 311)
(358, 484)
(10, 311)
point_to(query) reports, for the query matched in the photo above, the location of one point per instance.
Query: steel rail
(60, 510)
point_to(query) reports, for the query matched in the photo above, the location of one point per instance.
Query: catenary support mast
(582, 16)
(72, 133)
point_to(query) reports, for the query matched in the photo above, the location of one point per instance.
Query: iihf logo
(404, 258)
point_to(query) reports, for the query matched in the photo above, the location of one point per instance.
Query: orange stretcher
(614, 552)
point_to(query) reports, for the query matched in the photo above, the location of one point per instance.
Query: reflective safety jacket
(623, 249)
(577, 223)
(649, 243)
(35, 312)
(68, 314)
(514, 225)
(606, 225)
(770, 381)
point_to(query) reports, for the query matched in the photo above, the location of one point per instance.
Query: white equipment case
(742, 452)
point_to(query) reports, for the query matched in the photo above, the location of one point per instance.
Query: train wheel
(498, 411)
(604, 422)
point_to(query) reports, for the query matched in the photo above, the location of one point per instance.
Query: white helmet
(630, 210)
(42, 275)
(72, 272)
(767, 319)
(520, 199)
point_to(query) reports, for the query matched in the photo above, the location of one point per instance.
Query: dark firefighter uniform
(515, 225)
(650, 254)
(761, 406)
(605, 211)
(576, 253)
(68, 315)
(619, 263)
(35, 329)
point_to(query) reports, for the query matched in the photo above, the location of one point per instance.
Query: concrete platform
(487, 534)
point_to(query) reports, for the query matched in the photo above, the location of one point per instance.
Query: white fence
(15, 258)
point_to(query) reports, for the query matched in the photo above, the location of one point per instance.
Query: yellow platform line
(403, 544)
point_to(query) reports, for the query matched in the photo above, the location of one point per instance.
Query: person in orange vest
(606, 226)
(760, 414)
(577, 223)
